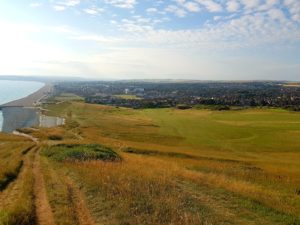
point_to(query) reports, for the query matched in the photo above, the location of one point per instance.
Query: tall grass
(135, 191)
(12, 150)
(21, 210)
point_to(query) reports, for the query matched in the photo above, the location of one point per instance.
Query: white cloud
(192, 6)
(63, 5)
(93, 11)
(276, 14)
(250, 4)
(145, 46)
(136, 25)
(210, 5)
(176, 10)
(268, 4)
(70, 2)
(122, 3)
(59, 7)
(232, 6)
(151, 10)
(294, 9)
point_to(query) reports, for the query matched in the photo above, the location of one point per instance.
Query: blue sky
(170, 39)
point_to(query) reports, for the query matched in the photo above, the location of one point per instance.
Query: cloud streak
(158, 38)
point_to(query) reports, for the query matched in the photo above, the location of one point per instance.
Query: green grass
(245, 130)
(68, 97)
(78, 152)
(128, 97)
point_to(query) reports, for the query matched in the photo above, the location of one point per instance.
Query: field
(292, 84)
(112, 165)
(127, 97)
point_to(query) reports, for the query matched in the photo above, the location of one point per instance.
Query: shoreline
(27, 112)
(31, 100)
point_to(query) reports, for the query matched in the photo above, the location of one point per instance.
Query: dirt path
(43, 210)
(35, 140)
(82, 212)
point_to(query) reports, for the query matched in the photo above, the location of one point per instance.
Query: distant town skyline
(134, 39)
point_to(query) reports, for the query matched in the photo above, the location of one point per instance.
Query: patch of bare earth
(43, 210)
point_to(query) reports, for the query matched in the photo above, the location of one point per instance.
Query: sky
(151, 39)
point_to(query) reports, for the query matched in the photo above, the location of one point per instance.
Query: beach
(31, 100)
(24, 112)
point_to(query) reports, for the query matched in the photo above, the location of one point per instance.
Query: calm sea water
(13, 90)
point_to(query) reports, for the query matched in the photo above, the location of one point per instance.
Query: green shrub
(55, 137)
(78, 152)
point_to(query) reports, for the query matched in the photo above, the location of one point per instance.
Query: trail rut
(43, 210)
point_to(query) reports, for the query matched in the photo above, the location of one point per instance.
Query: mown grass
(68, 97)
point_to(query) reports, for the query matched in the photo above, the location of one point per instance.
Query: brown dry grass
(17, 200)
(12, 150)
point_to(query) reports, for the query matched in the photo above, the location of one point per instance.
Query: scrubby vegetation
(55, 137)
(78, 152)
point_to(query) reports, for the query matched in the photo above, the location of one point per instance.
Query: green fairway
(243, 130)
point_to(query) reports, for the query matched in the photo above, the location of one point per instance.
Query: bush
(55, 137)
(79, 152)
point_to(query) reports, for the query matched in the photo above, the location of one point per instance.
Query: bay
(13, 90)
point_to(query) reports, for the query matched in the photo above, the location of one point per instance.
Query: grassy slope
(181, 166)
(16, 180)
(12, 150)
(245, 165)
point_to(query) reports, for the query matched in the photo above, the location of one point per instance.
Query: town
(164, 94)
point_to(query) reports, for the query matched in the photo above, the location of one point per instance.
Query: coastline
(23, 112)
(31, 100)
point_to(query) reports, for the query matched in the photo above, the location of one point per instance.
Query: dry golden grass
(17, 200)
(232, 153)
(135, 191)
(12, 150)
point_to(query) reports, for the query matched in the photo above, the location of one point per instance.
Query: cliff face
(18, 117)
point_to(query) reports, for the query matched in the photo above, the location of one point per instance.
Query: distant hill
(41, 78)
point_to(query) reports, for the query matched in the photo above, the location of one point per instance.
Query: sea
(13, 90)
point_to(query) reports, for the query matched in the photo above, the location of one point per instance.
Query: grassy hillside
(170, 166)
(16, 180)
(12, 150)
